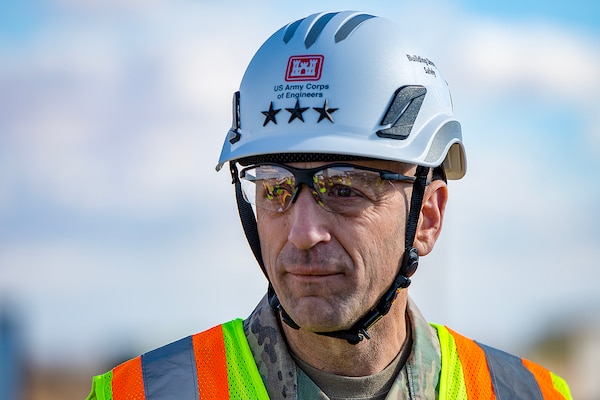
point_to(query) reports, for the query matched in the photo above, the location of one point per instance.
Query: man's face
(329, 269)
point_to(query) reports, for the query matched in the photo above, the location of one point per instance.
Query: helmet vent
(290, 30)
(317, 28)
(350, 25)
(319, 25)
(402, 112)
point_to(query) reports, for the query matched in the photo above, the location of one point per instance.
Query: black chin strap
(357, 332)
(248, 220)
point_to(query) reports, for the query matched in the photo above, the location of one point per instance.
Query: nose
(308, 221)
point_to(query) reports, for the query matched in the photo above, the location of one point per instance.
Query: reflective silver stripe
(350, 25)
(169, 372)
(510, 379)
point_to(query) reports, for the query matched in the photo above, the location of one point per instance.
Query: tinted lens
(348, 189)
(268, 186)
(338, 188)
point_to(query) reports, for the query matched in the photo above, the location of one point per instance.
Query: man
(343, 138)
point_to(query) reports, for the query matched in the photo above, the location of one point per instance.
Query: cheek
(382, 231)
(272, 233)
(379, 243)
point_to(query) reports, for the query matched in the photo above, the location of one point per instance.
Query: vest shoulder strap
(471, 370)
(214, 364)
(244, 378)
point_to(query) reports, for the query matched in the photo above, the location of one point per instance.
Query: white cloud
(551, 70)
(524, 57)
(102, 125)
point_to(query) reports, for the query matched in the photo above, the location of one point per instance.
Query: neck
(368, 357)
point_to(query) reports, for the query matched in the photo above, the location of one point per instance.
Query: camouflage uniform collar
(417, 380)
(274, 362)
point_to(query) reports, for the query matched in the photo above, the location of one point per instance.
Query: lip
(308, 274)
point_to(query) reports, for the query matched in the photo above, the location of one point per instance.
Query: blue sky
(115, 230)
(580, 13)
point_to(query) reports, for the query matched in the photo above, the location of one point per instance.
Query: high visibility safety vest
(218, 364)
(215, 364)
(472, 370)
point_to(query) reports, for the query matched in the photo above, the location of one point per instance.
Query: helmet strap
(248, 219)
(410, 261)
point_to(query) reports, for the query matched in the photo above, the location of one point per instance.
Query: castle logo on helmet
(304, 68)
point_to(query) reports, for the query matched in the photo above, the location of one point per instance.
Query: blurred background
(118, 236)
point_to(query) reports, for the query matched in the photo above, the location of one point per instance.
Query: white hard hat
(345, 83)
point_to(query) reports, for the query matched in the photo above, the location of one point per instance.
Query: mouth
(312, 274)
(314, 266)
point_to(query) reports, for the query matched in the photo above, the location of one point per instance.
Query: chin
(320, 321)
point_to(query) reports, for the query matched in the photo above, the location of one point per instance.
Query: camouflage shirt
(283, 379)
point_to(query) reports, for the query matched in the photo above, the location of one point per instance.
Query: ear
(432, 215)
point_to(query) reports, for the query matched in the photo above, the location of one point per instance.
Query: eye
(343, 191)
(280, 191)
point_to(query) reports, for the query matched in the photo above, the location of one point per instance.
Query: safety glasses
(339, 188)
